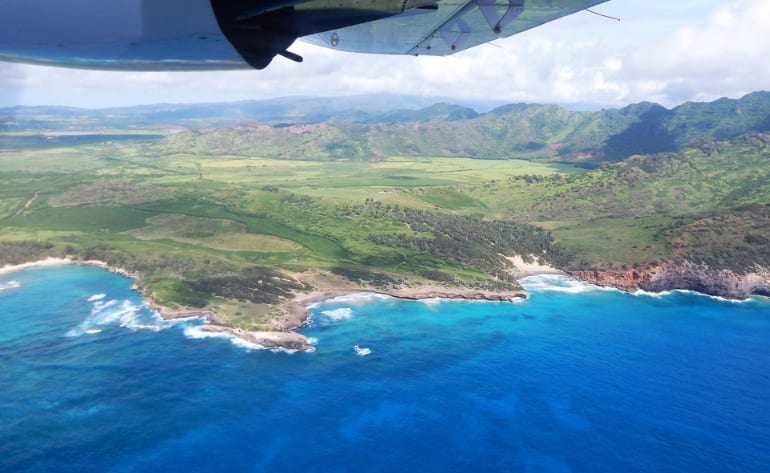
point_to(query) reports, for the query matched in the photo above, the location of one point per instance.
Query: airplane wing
(447, 26)
(262, 29)
(237, 34)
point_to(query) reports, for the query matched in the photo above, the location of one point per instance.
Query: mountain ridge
(528, 131)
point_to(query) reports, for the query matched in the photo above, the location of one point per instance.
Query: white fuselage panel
(115, 34)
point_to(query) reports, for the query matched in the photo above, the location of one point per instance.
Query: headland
(293, 313)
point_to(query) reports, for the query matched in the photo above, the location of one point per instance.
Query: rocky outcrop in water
(687, 276)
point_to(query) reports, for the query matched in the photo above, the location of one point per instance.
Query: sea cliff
(684, 276)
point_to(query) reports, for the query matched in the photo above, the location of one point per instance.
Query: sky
(661, 51)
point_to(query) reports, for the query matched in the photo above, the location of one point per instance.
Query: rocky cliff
(688, 276)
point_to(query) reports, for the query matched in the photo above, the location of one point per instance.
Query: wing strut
(455, 33)
(489, 8)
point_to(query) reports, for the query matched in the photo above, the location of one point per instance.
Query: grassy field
(178, 218)
(603, 243)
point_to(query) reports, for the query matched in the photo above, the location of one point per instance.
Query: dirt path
(26, 206)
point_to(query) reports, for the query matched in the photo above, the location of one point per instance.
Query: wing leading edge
(448, 26)
(236, 34)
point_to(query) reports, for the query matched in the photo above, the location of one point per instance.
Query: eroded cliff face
(669, 276)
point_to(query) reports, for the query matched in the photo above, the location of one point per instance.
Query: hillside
(238, 219)
(705, 203)
(536, 132)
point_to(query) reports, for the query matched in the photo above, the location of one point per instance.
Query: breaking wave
(331, 316)
(657, 295)
(559, 283)
(343, 313)
(121, 313)
(356, 298)
(433, 301)
(716, 298)
(195, 332)
(96, 297)
(9, 285)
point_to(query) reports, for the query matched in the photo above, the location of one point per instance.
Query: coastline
(53, 261)
(684, 275)
(50, 261)
(286, 338)
(534, 268)
(294, 313)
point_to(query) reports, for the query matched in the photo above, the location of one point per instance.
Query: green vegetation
(238, 218)
(543, 133)
(223, 232)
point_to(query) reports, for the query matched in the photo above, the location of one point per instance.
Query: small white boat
(362, 351)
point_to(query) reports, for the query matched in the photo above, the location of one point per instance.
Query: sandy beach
(12, 268)
(51, 261)
(524, 269)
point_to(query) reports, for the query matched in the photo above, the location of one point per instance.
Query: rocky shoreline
(294, 312)
(682, 276)
(297, 310)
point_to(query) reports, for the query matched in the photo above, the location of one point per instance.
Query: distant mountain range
(536, 132)
(370, 127)
(357, 108)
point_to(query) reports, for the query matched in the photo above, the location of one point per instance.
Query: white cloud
(661, 51)
(724, 55)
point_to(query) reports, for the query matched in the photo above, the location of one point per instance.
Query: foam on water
(195, 332)
(9, 285)
(96, 297)
(432, 302)
(335, 315)
(124, 314)
(355, 298)
(716, 298)
(657, 295)
(239, 342)
(566, 284)
(560, 283)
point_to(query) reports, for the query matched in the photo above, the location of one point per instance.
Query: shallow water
(573, 379)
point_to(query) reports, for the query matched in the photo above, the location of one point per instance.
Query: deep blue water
(573, 379)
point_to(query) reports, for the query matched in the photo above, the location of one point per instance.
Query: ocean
(574, 379)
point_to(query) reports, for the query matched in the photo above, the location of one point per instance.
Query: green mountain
(535, 132)
(707, 203)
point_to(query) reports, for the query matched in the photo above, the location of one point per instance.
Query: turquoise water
(574, 379)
